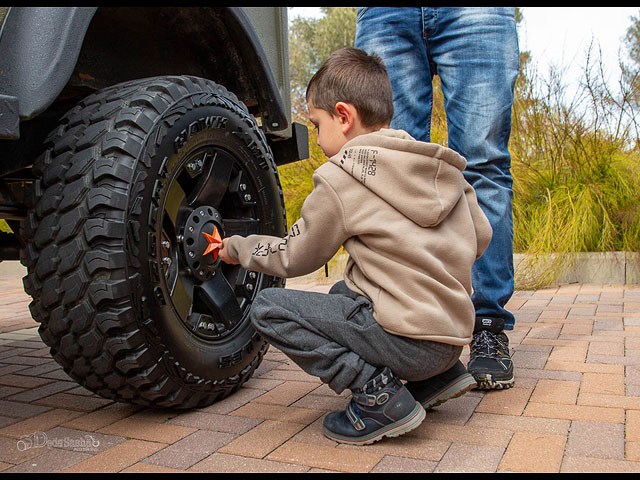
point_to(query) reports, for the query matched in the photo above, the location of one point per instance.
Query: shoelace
(488, 345)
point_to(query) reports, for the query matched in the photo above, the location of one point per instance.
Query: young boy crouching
(412, 227)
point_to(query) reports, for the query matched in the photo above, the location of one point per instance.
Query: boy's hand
(223, 253)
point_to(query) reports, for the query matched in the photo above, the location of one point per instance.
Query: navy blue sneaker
(383, 408)
(447, 385)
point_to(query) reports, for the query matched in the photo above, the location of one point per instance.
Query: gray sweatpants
(336, 338)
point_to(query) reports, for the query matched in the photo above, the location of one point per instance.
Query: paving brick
(530, 359)
(325, 457)
(585, 367)
(633, 426)
(8, 391)
(216, 422)
(548, 453)
(393, 464)
(633, 451)
(117, 458)
(81, 403)
(553, 315)
(52, 460)
(606, 348)
(263, 439)
(603, 383)
(462, 434)
(43, 391)
(233, 402)
(554, 391)
(549, 426)
(407, 446)
(223, 463)
(22, 381)
(77, 440)
(12, 452)
(149, 468)
(612, 401)
(287, 393)
(147, 430)
(598, 465)
(278, 412)
(296, 375)
(576, 353)
(313, 434)
(596, 439)
(39, 423)
(531, 373)
(456, 411)
(576, 329)
(544, 331)
(507, 402)
(20, 410)
(575, 412)
(190, 450)
(322, 402)
(103, 417)
(464, 458)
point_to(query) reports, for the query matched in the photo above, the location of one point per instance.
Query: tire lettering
(199, 125)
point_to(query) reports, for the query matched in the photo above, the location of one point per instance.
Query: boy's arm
(311, 241)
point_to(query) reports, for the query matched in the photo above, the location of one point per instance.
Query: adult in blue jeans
(474, 51)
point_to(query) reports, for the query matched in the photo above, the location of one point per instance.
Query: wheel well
(128, 43)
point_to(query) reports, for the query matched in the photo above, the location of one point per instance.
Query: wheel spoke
(218, 297)
(214, 181)
(181, 298)
(175, 199)
(243, 226)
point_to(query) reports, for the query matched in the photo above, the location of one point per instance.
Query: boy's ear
(346, 114)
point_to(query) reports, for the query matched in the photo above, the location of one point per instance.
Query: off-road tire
(95, 242)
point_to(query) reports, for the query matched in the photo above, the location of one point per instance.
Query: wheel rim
(211, 187)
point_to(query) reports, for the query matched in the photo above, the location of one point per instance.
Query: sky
(560, 36)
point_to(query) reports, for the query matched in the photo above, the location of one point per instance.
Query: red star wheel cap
(214, 243)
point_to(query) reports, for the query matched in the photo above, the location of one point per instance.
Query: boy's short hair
(353, 76)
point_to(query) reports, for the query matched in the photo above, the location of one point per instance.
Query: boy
(412, 228)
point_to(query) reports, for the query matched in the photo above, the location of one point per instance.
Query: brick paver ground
(575, 406)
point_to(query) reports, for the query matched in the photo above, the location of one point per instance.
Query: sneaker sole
(457, 388)
(486, 382)
(402, 426)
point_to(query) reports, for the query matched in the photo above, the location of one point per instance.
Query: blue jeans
(474, 51)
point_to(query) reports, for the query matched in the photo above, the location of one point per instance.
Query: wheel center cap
(202, 239)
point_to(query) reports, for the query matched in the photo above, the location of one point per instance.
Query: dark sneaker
(447, 385)
(383, 408)
(489, 361)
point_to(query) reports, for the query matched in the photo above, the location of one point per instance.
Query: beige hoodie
(410, 223)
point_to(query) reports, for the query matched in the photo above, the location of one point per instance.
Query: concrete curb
(615, 268)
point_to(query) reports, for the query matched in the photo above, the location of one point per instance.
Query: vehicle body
(126, 135)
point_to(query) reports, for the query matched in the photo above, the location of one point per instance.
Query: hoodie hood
(421, 180)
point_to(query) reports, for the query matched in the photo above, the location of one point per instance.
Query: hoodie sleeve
(312, 240)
